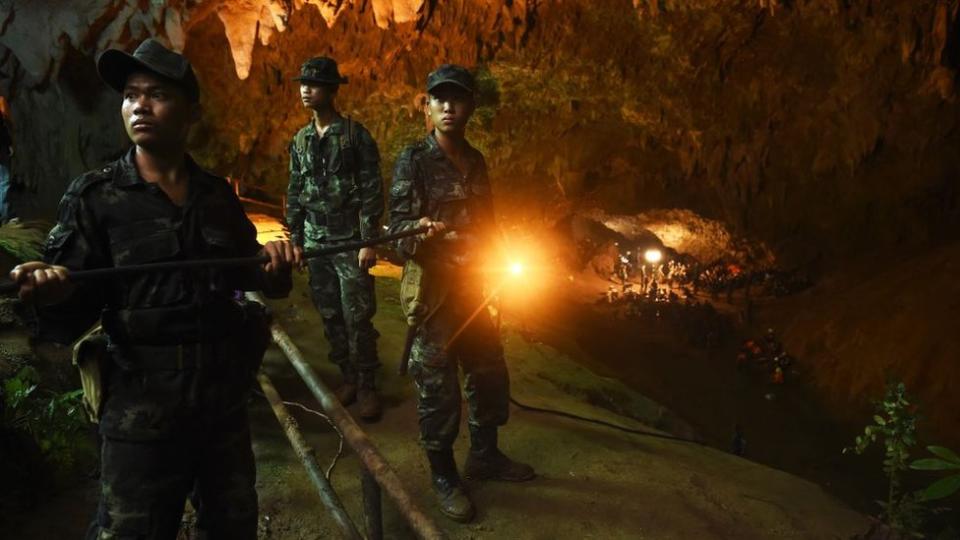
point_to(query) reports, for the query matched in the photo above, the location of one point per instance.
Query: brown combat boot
(347, 392)
(486, 462)
(370, 408)
(452, 498)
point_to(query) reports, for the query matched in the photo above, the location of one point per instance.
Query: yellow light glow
(516, 268)
(653, 256)
(268, 228)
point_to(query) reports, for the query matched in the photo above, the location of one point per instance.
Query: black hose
(604, 423)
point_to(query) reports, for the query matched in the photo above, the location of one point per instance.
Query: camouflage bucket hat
(321, 70)
(114, 66)
(451, 74)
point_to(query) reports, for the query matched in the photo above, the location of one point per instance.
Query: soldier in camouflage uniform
(439, 182)
(181, 353)
(336, 195)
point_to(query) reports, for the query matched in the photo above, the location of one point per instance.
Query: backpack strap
(349, 145)
(351, 139)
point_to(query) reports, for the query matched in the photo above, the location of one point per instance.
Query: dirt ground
(594, 482)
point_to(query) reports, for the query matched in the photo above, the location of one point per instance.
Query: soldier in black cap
(441, 182)
(335, 195)
(181, 353)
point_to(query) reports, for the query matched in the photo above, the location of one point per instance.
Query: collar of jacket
(334, 128)
(126, 174)
(437, 153)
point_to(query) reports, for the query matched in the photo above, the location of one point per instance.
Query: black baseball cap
(321, 70)
(451, 74)
(114, 66)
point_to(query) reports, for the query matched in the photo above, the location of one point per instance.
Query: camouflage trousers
(435, 362)
(345, 297)
(144, 485)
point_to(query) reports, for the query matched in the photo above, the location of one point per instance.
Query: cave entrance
(663, 301)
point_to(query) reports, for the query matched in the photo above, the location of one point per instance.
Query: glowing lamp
(516, 268)
(653, 256)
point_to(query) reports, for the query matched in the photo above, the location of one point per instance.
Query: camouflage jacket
(426, 183)
(112, 217)
(335, 191)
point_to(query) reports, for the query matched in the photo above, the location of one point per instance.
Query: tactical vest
(333, 201)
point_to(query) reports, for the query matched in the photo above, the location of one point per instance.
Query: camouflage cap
(321, 70)
(114, 66)
(451, 74)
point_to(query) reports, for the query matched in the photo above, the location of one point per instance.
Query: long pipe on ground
(309, 460)
(369, 455)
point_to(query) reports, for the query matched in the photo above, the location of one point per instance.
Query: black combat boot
(487, 462)
(370, 407)
(451, 496)
(347, 392)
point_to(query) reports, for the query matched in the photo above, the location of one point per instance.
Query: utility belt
(324, 219)
(248, 336)
(216, 317)
(335, 227)
(178, 357)
(95, 357)
(238, 353)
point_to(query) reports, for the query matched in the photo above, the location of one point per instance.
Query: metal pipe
(369, 455)
(309, 460)
(372, 512)
(112, 271)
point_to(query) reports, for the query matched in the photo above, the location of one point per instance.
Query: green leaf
(29, 373)
(945, 453)
(931, 464)
(942, 488)
(879, 420)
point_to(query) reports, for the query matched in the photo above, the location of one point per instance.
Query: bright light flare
(653, 256)
(521, 271)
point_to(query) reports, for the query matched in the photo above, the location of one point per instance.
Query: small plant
(946, 460)
(895, 425)
(54, 420)
(23, 240)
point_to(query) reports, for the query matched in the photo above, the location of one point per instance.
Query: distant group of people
(674, 289)
(766, 353)
(696, 319)
(725, 278)
(632, 264)
(685, 276)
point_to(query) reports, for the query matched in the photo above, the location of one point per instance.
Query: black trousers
(145, 484)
